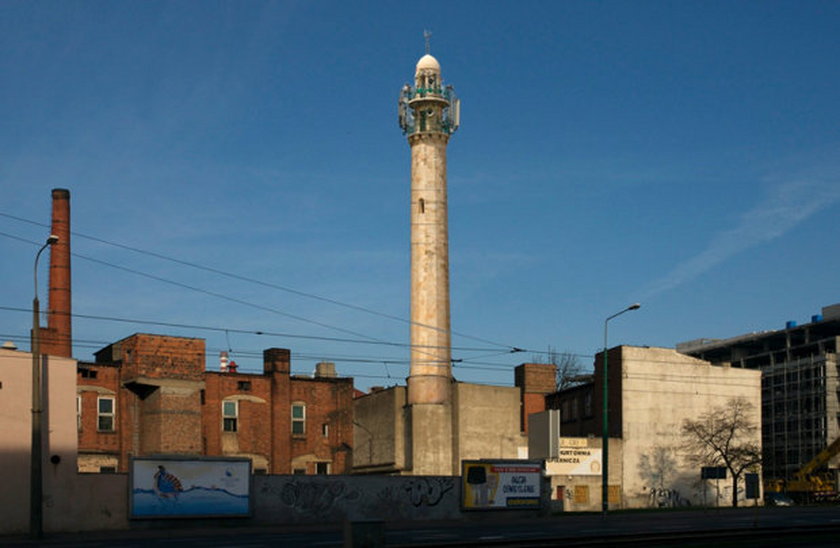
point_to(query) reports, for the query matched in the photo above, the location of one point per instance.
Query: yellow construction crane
(807, 482)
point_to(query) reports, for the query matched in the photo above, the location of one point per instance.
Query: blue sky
(681, 154)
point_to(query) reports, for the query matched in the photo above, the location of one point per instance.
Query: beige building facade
(69, 502)
(652, 392)
(485, 423)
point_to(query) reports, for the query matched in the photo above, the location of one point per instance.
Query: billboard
(501, 484)
(575, 461)
(163, 487)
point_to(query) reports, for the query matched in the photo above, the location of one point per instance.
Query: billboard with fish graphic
(171, 487)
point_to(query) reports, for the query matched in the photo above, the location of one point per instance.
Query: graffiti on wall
(658, 467)
(666, 498)
(313, 498)
(659, 472)
(428, 491)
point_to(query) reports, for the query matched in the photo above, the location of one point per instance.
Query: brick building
(535, 382)
(150, 394)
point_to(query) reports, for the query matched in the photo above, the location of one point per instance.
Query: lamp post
(36, 495)
(605, 439)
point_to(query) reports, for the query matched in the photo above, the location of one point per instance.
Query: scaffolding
(799, 389)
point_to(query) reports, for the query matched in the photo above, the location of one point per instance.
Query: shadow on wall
(663, 484)
(72, 502)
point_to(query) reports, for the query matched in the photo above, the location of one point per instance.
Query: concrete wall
(484, 424)
(488, 423)
(319, 499)
(379, 431)
(100, 502)
(652, 391)
(59, 433)
(660, 389)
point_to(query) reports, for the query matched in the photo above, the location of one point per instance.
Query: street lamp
(36, 495)
(605, 440)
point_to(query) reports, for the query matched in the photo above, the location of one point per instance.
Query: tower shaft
(430, 376)
(428, 114)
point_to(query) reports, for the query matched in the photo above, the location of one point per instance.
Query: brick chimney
(57, 337)
(535, 382)
(277, 360)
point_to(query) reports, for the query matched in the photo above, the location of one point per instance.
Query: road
(797, 526)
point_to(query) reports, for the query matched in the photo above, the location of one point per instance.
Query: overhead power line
(266, 333)
(214, 294)
(256, 281)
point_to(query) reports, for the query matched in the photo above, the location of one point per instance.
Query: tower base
(429, 439)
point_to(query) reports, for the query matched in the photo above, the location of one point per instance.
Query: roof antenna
(427, 35)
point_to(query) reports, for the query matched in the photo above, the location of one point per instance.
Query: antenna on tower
(427, 36)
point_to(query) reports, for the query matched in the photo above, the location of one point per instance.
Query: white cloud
(786, 205)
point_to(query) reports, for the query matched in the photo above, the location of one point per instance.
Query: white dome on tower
(427, 62)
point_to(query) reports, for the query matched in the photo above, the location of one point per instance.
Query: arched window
(422, 205)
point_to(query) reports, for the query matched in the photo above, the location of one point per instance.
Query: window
(422, 204)
(325, 430)
(79, 411)
(298, 418)
(230, 415)
(105, 417)
(87, 373)
(581, 495)
(243, 385)
(322, 468)
(566, 411)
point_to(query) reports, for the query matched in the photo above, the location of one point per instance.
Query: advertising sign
(197, 487)
(575, 461)
(501, 485)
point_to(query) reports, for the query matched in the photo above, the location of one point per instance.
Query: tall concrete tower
(429, 114)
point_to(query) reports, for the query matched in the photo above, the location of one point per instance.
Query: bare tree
(569, 367)
(724, 436)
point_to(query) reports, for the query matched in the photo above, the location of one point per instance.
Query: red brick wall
(170, 421)
(174, 418)
(328, 402)
(107, 378)
(157, 356)
(254, 420)
(535, 381)
(531, 403)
